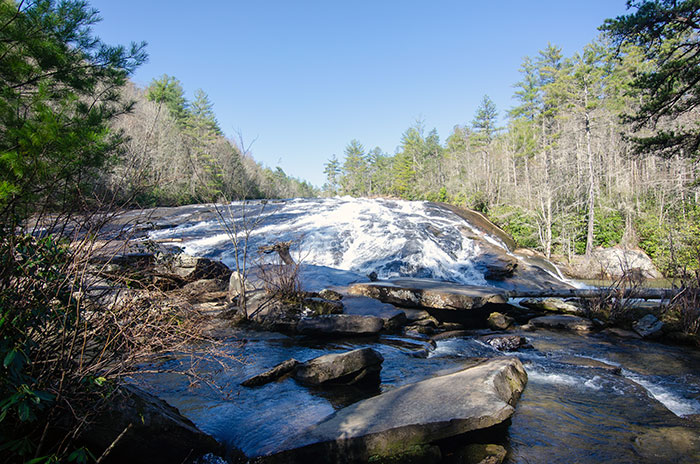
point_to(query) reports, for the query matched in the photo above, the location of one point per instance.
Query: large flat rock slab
(424, 293)
(398, 420)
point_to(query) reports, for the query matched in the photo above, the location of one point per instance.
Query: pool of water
(567, 413)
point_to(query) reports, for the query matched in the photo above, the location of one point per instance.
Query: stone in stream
(506, 342)
(563, 321)
(393, 318)
(648, 326)
(271, 375)
(362, 365)
(414, 415)
(340, 324)
(498, 321)
(423, 293)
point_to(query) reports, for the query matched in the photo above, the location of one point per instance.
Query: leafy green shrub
(519, 223)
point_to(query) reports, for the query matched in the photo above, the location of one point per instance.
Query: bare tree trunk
(591, 178)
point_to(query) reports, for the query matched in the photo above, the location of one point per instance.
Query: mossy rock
(414, 454)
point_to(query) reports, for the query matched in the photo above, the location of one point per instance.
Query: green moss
(407, 454)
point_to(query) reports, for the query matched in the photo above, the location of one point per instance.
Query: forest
(600, 150)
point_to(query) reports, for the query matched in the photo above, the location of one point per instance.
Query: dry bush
(69, 337)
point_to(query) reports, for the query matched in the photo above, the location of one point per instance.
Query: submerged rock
(679, 445)
(423, 293)
(340, 324)
(413, 415)
(271, 375)
(479, 454)
(592, 364)
(563, 321)
(362, 365)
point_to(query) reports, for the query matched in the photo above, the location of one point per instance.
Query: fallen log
(642, 293)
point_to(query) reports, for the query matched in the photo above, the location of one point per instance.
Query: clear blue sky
(306, 77)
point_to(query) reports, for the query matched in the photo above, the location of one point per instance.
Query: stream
(569, 412)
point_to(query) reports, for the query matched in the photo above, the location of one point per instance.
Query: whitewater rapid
(393, 238)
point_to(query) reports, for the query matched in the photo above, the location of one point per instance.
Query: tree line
(600, 148)
(176, 153)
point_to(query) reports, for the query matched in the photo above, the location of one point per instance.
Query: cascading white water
(390, 237)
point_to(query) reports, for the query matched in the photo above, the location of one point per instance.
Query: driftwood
(281, 248)
(642, 293)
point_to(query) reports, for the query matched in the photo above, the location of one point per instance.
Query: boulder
(395, 421)
(563, 321)
(393, 318)
(506, 342)
(191, 268)
(498, 321)
(237, 283)
(153, 431)
(362, 365)
(497, 266)
(269, 313)
(648, 326)
(614, 263)
(271, 375)
(424, 293)
(340, 324)
(556, 305)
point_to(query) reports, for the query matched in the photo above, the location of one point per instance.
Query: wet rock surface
(562, 322)
(679, 445)
(340, 324)
(498, 321)
(353, 367)
(506, 342)
(424, 293)
(280, 370)
(552, 304)
(649, 327)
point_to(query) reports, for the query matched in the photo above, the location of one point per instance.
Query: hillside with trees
(175, 153)
(600, 149)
